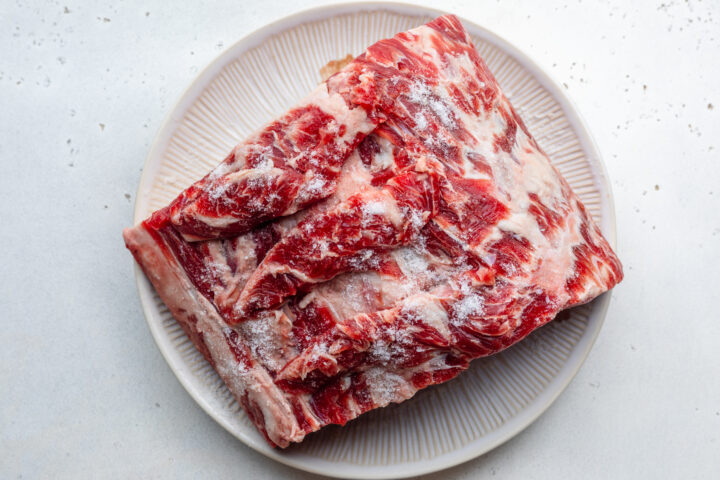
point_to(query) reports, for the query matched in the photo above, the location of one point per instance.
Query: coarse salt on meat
(398, 223)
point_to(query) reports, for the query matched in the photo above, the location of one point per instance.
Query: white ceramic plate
(261, 76)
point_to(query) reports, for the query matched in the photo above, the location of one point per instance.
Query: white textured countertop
(85, 393)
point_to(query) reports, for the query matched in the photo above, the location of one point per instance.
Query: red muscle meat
(398, 223)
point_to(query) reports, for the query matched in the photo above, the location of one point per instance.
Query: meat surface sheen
(398, 223)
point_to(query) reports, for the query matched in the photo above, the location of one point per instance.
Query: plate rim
(512, 426)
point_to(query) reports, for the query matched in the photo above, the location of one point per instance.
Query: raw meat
(441, 234)
(290, 164)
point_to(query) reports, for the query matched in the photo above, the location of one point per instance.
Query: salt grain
(375, 207)
(411, 262)
(470, 306)
(421, 94)
(260, 334)
(384, 386)
(420, 121)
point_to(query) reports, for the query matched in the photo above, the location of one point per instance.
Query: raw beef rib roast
(397, 223)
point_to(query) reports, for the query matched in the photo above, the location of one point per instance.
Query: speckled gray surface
(84, 392)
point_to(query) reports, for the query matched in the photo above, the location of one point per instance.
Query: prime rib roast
(397, 223)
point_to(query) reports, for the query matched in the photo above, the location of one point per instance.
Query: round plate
(260, 77)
